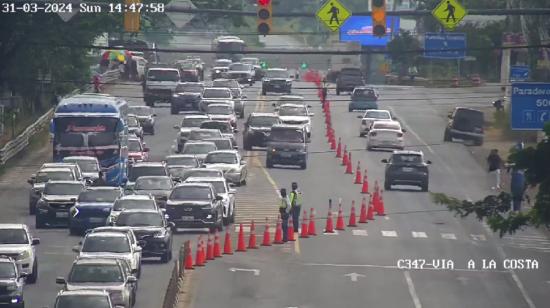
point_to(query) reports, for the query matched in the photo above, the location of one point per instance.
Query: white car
(188, 123)
(385, 134)
(230, 163)
(294, 114)
(370, 116)
(223, 189)
(289, 99)
(89, 166)
(16, 242)
(199, 148)
(131, 202)
(222, 112)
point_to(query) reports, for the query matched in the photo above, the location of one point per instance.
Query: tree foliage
(495, 208)
(404, 41)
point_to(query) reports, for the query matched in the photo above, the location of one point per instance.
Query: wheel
(32, 278)
(241, 115)
(303, 166)
(424, 186)
(32, 208)
(361, 134)
(387, 185)
(39, 222)
(268, 163)
(166, 256)
(478, 142)
(369, 148)
(243, 182)
(74, 231)
(232, 217)
(138, 274)
(226, 221)
(264, 92)
(180, 148)
(173, 110)
(246, 145)
(337, 91)
(447, 135)
(350, 109)
(152, 131)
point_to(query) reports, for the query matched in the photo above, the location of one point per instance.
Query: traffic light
(264, 17)
(132, 16)
(263, 64)
(378, 13)
(304, 65)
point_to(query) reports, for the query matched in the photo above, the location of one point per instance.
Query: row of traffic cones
(365, 214)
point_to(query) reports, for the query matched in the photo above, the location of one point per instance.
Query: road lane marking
(478, 237)
(390, 233)
(416, 234)
(412, 290)
(359, 232)
(354, 276)
(331, 233)
(448, 236)
(250, 270)
(395, 267)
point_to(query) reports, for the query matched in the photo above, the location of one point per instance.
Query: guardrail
(22, 141)
(172, 297)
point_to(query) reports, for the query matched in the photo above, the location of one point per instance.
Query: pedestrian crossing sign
(449, 13)
(333, 14)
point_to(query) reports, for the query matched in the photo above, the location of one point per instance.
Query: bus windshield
(71, 131)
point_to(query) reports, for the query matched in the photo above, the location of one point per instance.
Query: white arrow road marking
(389, 233)
(253, 270)
(354, 276)
(448, 236)
(416, 234)
(412, 290)
(359, 232)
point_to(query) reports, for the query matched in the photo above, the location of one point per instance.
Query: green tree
(495, 208)
(403, 60)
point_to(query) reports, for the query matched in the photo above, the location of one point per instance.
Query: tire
(173, 110)
(268, 163)
(226, 221)
(478, 142)
(138, 274)
(152, 132)
(303, 166)
(337, 91)
(34, 276)
(32, 209)
(447, 136)
(387, 185)
(243, 182)
(264, 92)
(166, 256)
(350, 109)
(179, 148)
(39, 223)
(361, 134)
(424, 187)
(369, 148)
(241, 115)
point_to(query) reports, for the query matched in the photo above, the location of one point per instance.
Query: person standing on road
(285, 209)
(296, 205)
(495, 164)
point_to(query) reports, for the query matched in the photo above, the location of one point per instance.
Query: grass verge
(36, 142)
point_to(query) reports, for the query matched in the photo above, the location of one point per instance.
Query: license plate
(97, 219)
(286, 154)
(276, 85)
(407, 169)
(62, 214)
(187, 218)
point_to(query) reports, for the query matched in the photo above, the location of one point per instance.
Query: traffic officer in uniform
(285, 208)
(296, 204)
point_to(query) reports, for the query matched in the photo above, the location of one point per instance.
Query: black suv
(276, 80)
(465, 124)
(406, 168)
(257, 127)
(57, 199)
(187, 97)
(348, 79)
(286, 145)
(11, 284)
(195, 205)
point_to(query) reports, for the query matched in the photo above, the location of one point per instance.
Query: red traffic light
(264, 2)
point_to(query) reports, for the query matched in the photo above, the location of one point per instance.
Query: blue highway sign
(519, 73)
(530, 107)
(445, 45)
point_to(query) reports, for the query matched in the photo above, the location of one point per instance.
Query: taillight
(372, 134)
(399, 135)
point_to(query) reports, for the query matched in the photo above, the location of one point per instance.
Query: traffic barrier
(290, 229)
(345, 156)
(304, 232)
(217, 246)
(363, 212)
(370, 212)
(188, 260)
(352, 219)
(311, 228)
(209, 249)
(358, 179)
(267, 237)
(198, 257)
(339, 148)
(240, 242)
(278, 232)
(227, 247)
(365, 188)
(329, 227)
(340, 219)
(252, 239)
(381, 210)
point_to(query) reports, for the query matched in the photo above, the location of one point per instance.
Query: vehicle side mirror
(243, 162)
(177, 127)
(311, 114)
(450, 115)
(235, 147)
(244, 96)
(139, 249)
(76, 249)
(404, 130)
(360, 116)
(232, 191)
(132, 279)
(219, 198)
(73, 199)
(385, 161)
(429, 162)
(171, 225)
(60, 280)
(308, 106)
(274, 105)
(35, 241)
(146, 149)
(23, 275)
(154, 114)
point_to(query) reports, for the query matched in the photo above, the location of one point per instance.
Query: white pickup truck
(160, 83)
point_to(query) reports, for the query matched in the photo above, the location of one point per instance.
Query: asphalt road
(359, 268)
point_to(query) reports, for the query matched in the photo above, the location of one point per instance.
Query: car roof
(194, 185)
(264, 114)
(191, 83)
(105, 234)
(216, 139)
(51, 169)
(148, 164)
(225, 88)
(196, 116)
(64, 182)
(408, 152)
(96, 260)
(205, 129)
(389, 122)
(114, 229)
(205, 170)
(198, 142)
(82, 292)
(145, 177)
(163, 69)
(292, 105)
(277, 69)
(293, 97)
(60, 164)
(136, 197)
(146, 211)
(140, 107)
(134, 139)
(180, 156)
(195, 179)
(224, 151)
(219, 105)
(100, 188)
(81, 158)
(13, 226)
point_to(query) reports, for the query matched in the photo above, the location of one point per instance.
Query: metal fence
(22, 141)
(172, 297)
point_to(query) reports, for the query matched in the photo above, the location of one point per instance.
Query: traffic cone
(363, 214)
(304, 233)
(340, 219)
(358, 179)
(370, 211)
(203, 253)
(339, 148)
(252, 239)
(240, 242)
(209, 249)
(352, 217)
(278, 232)
(290, 233)
(311, 228)
(332, 144)
(381, 210)
(198, 258)
(227, 247)
(365, 188)
(329, 228)
(267, 237)
(345, 156)
(217, 246)
(189, 260)
(348, 166)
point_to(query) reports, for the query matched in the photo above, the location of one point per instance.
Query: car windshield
(199, 148)
(134, 145)
(99, 196)
(222, 144)
(82, 301)
(224, 127)
(263, 121)
(240, 67)
(177, 171)
(140, 111)
(7, 270)
(191, 88)
(221, 158)
(95, 273)
(377, 115)
(407, 158)
(222, 63)
(163, 75)
(276, 74)
(220, 109)
(43, 177)
(188, 65)
(217, 93)
(390, 126)
(191, 193)
(13, 236)
(63, 188)
(467, 116)
(139, 219)
(114, 244)
(227, 83)
(292, 111)
(205, 173)
(181, 161)
(351, 71)
(132, 122)
(251, 61)
(146, 204)
(204, 134)
(137, 171)
(363, 93)
(86, 165)
(146, 183)
(192, 122)
(286, 135)
(219, 186)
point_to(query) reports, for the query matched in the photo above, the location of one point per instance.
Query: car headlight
(218, 71)
(233, 170)
(74, 211)
(23, 255)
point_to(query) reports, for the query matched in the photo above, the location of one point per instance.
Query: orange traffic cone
(267, 237)
(348, 166)
(340, 219)
(217, 246)
(252, 239)
(311, 228)
(209, 249)
(352, 217)
(278, 232)
(370, 211)
(227, 247)
(240, 242)
(345, 156)
(365, 188)
(358, 179)
(203, 253)
(381, 210)
(304, 232)
(290, 233)
(339, 148)
(329, 228)
(189, 260)
(198, 258)
(332, 144)
(363, 214)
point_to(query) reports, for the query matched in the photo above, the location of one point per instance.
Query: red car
(137, 151)
(188, 71)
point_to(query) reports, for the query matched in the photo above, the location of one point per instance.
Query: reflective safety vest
(296, 198)
(285, 204)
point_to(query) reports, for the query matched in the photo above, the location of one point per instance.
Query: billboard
(359, 29)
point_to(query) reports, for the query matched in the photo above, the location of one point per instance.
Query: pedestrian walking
(284, 209)
(518, 185)
(296, 205)
(495, 164)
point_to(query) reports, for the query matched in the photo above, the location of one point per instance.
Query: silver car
(199, 148)
(84, 299)
(88, 165)
(230, 162)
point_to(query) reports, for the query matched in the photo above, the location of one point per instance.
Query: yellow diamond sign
(333, 14)
(449, 13)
